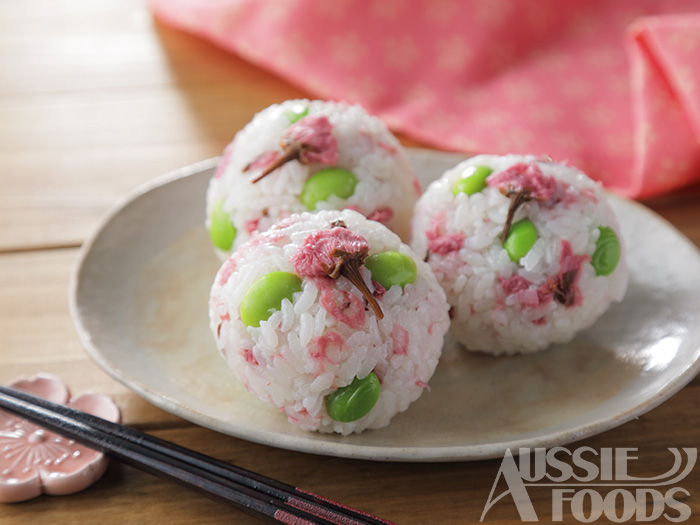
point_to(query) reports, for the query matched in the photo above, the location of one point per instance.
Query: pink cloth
(612, 87)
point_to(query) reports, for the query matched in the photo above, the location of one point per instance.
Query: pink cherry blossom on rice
(34, 461)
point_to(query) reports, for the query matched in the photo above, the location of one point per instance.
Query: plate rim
(341, 449)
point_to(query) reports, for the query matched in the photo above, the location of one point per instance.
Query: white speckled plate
(139, 300)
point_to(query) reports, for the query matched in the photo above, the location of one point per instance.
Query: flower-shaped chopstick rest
(35, 461)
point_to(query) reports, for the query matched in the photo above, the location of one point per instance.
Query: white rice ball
(324, 334)
(562, 266)
(330, 155)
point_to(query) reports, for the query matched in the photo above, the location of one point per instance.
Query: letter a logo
(516, 488)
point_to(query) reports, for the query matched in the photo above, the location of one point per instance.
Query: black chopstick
(258, 495)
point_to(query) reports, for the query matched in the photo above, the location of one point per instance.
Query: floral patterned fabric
(610, 87)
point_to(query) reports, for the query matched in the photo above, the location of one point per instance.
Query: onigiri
(331, 319)
(304, 155)
(529, 251)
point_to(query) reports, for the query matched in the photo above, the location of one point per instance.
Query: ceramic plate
(139, 300)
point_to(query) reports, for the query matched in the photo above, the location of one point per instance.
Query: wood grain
(96, 98)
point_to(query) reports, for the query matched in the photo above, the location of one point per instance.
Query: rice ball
(330, 318)
(304, 155)
(528, 251)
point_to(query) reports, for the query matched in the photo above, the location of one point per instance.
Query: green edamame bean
(222, 232)
(473, 180)
(354, 401)
(326, 182)
(390, 268)
(297, 113)
(521, 238)
(266, 294)
(607, 252)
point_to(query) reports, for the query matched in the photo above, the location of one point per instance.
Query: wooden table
(95, 98)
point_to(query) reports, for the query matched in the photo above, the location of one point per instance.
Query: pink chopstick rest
(34, 461)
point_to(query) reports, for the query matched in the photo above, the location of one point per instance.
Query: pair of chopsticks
(253, 493)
